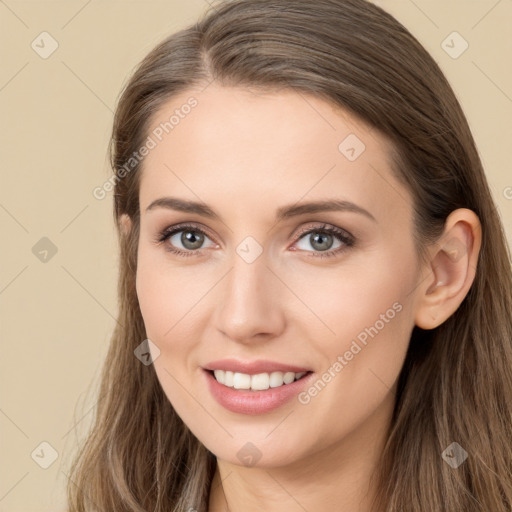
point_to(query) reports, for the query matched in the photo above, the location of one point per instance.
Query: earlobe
(125, 224)
(452, 269)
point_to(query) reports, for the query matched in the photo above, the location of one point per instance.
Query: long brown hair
(456, 382)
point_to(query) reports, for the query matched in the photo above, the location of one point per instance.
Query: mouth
(257, 393)
(256, 386)
(256, 382)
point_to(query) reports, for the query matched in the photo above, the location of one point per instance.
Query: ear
(125, 223)
(451, 269)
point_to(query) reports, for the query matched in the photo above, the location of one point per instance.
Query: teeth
(228, 378)
(241, 381)
(258, 382)
(276, 379)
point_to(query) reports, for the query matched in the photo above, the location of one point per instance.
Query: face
(306, 310)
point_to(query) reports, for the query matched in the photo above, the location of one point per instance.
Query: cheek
(363, 319)
(371, 342)
(153, 301)
(165, 303)
(166, 295)
(343, 303)
(174, 303)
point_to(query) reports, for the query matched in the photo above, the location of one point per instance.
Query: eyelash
(343, 236)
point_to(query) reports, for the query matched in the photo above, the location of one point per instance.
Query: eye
(190, 237)
(323, 238)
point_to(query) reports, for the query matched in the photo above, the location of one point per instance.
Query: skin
(246, 153)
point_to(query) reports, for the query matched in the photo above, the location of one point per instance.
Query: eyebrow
(282, 213)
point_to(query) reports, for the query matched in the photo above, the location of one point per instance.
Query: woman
(315, 288)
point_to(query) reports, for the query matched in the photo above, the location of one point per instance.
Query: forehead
(242, 145)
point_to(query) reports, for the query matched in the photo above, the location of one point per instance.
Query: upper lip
(253, 367)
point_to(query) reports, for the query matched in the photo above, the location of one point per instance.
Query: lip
(253, 367)
(254, 402)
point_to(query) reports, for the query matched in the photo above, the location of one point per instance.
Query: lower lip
(254, 402)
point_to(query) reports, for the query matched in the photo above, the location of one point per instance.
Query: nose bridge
(248, 280)
(250, 303)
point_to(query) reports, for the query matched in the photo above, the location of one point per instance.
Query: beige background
(57, 315)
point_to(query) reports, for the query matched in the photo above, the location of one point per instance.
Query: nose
(251, 302)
